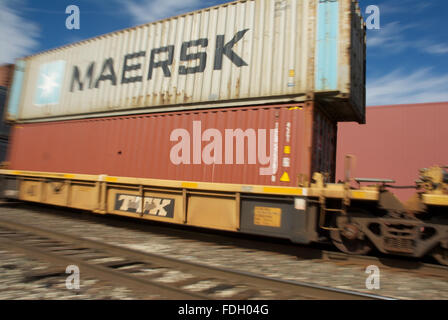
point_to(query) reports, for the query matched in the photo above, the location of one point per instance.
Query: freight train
(244, 147)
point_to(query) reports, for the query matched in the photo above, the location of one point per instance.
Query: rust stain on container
(395, 143)
(142, 146)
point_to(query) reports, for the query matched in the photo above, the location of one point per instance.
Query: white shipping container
(239, 53)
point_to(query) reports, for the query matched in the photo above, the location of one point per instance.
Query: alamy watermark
(73, 21)
(221, 146)
(373, 280)
(373, 20)
(259, 147)
(73, 280)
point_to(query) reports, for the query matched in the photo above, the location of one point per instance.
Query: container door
(324, 144)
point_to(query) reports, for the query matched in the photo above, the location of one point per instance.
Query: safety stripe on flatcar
(435, 199)
(361, 194)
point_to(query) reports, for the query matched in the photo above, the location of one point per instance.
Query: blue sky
(407, 59)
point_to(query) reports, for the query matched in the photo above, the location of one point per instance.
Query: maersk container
(262, 145)
(240, 53)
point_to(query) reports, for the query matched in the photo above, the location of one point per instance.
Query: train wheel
(441, 255)
(347, 240)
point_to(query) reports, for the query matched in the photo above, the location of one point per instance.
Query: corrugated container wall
(3, 150)
(395, 143)
(4, 128)
(241, 53)
(6, 76)
(6, 73)
(266, 145)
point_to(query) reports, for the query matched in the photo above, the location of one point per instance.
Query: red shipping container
(186, 146)
(396, 142)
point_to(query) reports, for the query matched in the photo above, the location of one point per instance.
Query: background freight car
(272, 145)
(6, 72)
(396, 142)
(241, 53)
(4, 128)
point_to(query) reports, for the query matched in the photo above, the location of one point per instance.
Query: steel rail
(104, 273)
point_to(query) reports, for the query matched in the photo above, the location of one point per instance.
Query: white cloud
(436, 49)
(17, 36)
(151, 10)
(393, 38)
(390, 36)
(398, 87)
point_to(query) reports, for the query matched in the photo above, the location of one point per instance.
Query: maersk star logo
(49, 83)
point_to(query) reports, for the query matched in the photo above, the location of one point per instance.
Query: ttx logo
(151, 205)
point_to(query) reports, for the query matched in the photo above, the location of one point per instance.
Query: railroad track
(276, 246)
(391, 264)
(143, 272)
